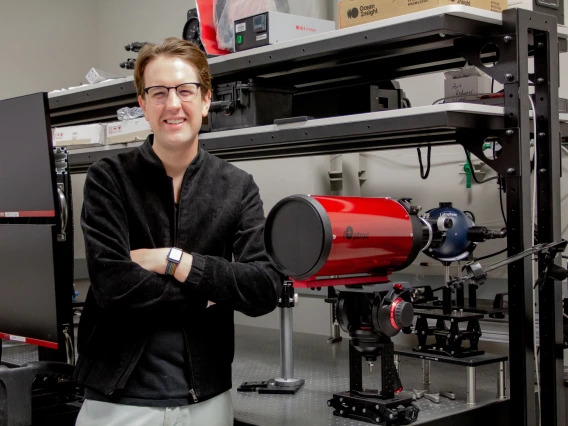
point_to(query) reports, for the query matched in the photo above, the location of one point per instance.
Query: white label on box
(261, 37)
(114, 129)
(17, 338)
(461, 89)
(11, 214)
(239, 28)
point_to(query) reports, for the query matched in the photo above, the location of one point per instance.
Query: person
(162, 224)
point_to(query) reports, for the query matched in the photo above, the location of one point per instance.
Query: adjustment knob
(411, 413)
(403, 313)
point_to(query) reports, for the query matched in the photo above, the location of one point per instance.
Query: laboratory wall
(46, 45)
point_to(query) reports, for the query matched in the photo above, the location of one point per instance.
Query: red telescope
(309, 237)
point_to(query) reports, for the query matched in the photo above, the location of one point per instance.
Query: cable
(535, 294)
(428, 155)
(493, 80)
(536, 360)
(535, 160)
(470, 214)
(473, 171)
(500, 183)
(501, 200)
(477, 259)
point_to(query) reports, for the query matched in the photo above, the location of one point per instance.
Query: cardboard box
(135, 130)
(84, 136)
(465, 88)
(356, 12)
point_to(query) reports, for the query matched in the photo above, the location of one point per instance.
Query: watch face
(175, 255)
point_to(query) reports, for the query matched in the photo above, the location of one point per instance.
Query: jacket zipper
(129, 369)
(176, 212)
(192, 392)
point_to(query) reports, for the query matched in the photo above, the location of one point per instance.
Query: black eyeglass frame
(146, 89)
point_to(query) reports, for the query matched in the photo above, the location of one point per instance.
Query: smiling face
(175, 123)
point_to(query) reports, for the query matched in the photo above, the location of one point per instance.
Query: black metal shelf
(349, 58)
(370, 53)
(441, 124)
(363, 132)
(436, 125)
(348, 51)
(97, 104)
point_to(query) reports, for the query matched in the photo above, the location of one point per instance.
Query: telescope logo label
(352, 13)
(351, 235)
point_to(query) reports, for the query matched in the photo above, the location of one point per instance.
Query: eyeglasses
(185, 91)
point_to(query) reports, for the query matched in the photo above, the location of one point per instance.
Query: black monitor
(27, 285)
(27, 174)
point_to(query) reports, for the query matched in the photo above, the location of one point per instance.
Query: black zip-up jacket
(128, 205)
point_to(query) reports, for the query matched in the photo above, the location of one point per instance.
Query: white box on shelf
(83, 136)
(465, 88)
(126, 131)
(96, 76)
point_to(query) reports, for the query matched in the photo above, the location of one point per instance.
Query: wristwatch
(174, 258)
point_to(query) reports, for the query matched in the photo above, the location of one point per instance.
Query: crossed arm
(155, 260)
(135, 280)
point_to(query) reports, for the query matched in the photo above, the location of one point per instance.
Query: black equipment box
(246, 104)
(348, 100)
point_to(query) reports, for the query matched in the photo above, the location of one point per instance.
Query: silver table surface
(325, 367)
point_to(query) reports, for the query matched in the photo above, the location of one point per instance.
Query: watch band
(171, 268)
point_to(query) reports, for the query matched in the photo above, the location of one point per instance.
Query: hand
(153, 260)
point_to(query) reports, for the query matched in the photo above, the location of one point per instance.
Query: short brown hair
(173, 46)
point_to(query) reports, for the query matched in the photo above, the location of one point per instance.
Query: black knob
(403, 314)
(411, 413)
(445, 204)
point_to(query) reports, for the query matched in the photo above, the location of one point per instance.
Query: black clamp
(286, 299)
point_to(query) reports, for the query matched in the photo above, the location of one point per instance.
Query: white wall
(77, 185)
(46, 45)
(122, 22)
(322, 9)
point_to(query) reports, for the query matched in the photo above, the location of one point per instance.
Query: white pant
(217, 411)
